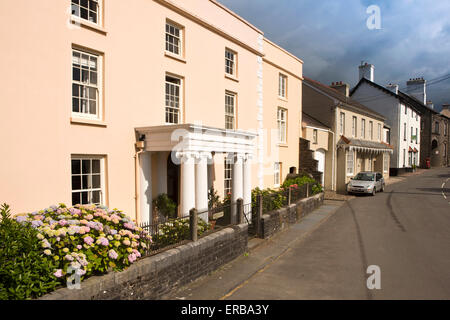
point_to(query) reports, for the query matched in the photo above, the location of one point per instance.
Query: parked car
(366, 182)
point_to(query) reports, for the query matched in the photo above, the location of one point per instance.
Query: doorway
(173, 180)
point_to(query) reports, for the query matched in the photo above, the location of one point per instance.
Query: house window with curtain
(385, 163)
(86, 88)
(230, 110)
(363, 128)
(354, 127)
(230, 62)
(87, 175)
(86, 9)
(173, 100)
(282, 86)
(371, 130)
(315, 132)
(342, 124)
(174, 40)
(282, 125)
(350, 163)
(277, 174)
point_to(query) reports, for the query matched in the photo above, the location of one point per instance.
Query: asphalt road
(405, 231)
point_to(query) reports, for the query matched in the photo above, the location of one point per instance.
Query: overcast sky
(332, 38)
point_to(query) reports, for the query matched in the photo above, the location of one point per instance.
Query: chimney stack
(367, 71)
(417, 88)
(446, 110)
(342, 87)
(392, 87)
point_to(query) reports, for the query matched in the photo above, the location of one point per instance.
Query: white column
(145, 187)
(201, 185)
(247, 184)
(162, 172)
(187, 183)
(237, 184)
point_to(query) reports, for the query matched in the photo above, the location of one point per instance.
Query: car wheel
(374, 192)
(382, 188)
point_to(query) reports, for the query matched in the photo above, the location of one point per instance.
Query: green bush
(166, 206)
(272, 199)
(175, 231)
(25, 271)
(303, 180)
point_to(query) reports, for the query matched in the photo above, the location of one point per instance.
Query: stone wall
(156, 276)
(280, 219)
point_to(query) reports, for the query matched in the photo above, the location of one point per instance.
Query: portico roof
(197, 138)
(364, 145)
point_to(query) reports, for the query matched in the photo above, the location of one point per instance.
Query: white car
(366, 182)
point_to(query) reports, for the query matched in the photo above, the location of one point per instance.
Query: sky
(332, 38)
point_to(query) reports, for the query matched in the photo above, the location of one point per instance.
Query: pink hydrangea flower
(132, 258)
(58, 273)
(88, 240)
(113, 254)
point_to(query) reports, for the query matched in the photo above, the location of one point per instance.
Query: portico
(192, 147)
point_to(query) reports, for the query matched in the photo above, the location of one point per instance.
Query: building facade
(402, 116)
(356, 140)
(147, 97)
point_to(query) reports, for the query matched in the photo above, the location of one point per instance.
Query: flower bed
(87, 240)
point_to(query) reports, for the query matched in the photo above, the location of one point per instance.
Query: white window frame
(277, 174)
(342, 123)
(230, 110)
(171, 99)
(282, 125)
(89, 178)
(282, 86)
(85, 88)
(231, 62)
(173, 35)
(350, 159)
(77, 9)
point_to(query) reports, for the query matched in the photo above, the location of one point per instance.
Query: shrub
(25, 271)
(272, 199)
(165, 206)
(88, 239)
(213, 199)
(303, 180)
(175, 231)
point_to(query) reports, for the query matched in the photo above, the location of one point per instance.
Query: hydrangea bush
(89, 239)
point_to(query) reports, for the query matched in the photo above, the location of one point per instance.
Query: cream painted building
(116, 102)
(355, 136)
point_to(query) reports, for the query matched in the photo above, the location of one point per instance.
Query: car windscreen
(365, 177)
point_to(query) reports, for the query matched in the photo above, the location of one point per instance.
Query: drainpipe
(139, 149)
(333, 158)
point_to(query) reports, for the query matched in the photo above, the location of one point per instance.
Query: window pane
(96, 182)
(76, 198)
(75, 105)
(85, 182)
(96, 197)
(86, 166)
(76, 166)
(84, 198)
(95, 166)
(93, 107)
(84, 13)
(76, 182)
(76, 74)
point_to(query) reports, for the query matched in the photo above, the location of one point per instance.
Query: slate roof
(313, 122)
(346, 101)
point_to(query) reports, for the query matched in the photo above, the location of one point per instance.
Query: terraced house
(354, 132)
(117, 102)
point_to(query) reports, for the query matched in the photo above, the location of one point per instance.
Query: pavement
(404, 231)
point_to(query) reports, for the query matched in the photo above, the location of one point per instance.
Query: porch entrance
(173, 180)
